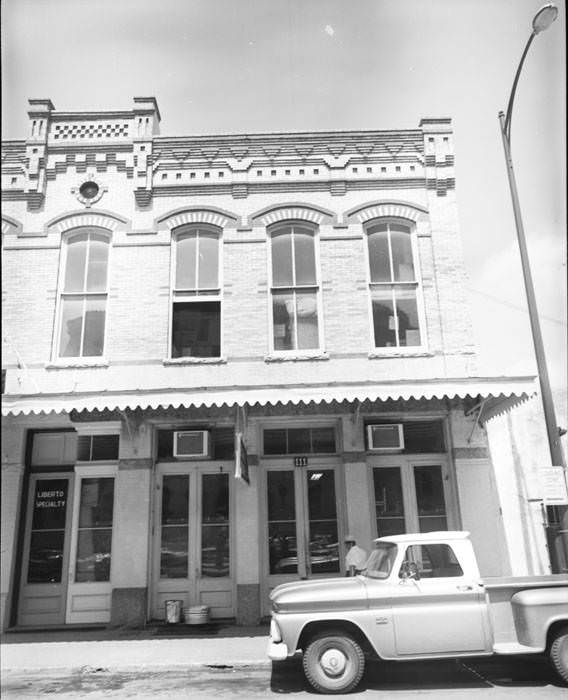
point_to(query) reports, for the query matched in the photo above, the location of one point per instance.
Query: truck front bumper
(277, 651)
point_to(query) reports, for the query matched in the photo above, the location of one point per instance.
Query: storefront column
(358, 501)
(12, 478)
(130, 558)
(247, 550)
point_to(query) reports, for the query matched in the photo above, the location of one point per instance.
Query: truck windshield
(380, 561)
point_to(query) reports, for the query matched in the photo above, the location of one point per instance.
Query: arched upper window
(294, 288)
(394, 286)
(84, 293)
(196, 293)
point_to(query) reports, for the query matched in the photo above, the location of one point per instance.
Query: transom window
(196, 312)
(285, 441)
(393, 286)
(84, 295)
(294, 289)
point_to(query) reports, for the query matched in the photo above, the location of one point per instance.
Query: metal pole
(556, 452)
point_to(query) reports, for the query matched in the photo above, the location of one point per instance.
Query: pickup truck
(420, 597)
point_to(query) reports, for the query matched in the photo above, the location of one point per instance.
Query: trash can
(197, 615)
(173, 611)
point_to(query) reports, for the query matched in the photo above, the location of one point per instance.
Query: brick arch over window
(101, 219)
(290, 212)
(197, 215)
(379, 210)
(10, 225)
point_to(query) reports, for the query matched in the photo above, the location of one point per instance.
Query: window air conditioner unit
(387, 437)
(191, 443)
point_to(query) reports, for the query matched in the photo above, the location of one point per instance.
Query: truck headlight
(275, 633)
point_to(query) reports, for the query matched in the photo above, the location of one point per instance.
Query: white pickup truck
(420, 597)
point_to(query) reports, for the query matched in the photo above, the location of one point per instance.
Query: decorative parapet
(438, 155)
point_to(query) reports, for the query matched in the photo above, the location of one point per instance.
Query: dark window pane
(281, 248)
(105, 447)
(299, 441)
(93, 555)
(215, 498)
(282, 548)
(383, 320)
(165, 444)
(321, 494)
(379, 261)
(407, 311)
(275, 442)
(422, 436)
(389, 505)
(175, 499)
(283, 321)
(430, 498)
(215, 559)
(71, 328)
(323, 440)
(46, 557)
(174, 552)
(324, 552)
(434, 560)
(196, 329)
(50, 504)
(97, 496)
(304, 255)
(281, 500)
(93, 341)
(223, 443)
(84, 448)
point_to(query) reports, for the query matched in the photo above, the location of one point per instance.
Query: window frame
(271, 231)
(195, 295)
(61, 294)
(416, 284)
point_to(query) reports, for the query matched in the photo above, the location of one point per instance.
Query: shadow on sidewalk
(151, 631)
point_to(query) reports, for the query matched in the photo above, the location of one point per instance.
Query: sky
(237, 66)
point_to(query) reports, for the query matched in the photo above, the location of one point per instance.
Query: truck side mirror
(409, 570)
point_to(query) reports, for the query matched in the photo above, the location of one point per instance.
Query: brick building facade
(222, 353)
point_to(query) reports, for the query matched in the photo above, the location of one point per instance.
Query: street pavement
(223, 661)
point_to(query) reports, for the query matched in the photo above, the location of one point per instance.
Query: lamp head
(544, 18)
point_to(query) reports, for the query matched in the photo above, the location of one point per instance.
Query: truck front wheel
(333, 663)
(559, 653)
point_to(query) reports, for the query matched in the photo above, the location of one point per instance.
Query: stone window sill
(296, 357)
(194, 361)
(76, 364)
(398, 353)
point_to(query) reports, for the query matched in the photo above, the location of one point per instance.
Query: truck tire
(333, 663)
(559, 653)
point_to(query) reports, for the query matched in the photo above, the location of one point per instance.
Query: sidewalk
(215, 644)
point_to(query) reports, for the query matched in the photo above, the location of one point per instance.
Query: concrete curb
(135, 654)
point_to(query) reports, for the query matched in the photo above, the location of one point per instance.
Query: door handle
(464, 588)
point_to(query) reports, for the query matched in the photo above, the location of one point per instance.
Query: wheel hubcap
(333, 662)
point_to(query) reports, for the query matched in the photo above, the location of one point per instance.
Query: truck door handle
(464, 588)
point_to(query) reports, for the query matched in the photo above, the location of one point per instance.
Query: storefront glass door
(192, 548)
(43, 587)
(302, 523)
(411, 496)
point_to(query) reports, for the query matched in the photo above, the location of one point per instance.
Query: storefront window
(48, 531)
(282, 546)
(95, 530)
(175, 514)
(215, 559)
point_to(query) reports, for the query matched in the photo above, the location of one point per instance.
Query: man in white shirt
(356, 557)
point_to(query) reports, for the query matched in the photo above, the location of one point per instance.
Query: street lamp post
(542, 20)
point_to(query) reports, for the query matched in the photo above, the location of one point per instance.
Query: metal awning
(502, 393)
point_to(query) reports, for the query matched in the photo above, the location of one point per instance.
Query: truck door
(444, 612)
